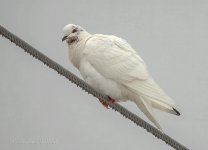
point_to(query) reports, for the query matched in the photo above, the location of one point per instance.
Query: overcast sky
(40, 110)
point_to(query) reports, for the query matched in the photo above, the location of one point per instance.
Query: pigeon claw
(106, 104)
(111, 101)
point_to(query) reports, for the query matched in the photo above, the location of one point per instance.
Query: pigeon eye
(74, 30)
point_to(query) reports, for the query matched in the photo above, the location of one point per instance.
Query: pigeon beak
(64, 38)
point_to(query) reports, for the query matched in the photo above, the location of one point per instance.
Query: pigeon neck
(75, 50)
(84, 35)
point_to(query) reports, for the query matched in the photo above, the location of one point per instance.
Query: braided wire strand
(79, 82)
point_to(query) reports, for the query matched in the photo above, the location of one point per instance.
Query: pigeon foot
(106, 104)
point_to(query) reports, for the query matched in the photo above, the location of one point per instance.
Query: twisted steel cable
(79, 82)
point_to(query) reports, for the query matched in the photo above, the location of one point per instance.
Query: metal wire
(79, 82)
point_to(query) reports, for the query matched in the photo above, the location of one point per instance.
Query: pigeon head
(71, 33)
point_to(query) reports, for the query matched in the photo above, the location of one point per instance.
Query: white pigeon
(111, 66)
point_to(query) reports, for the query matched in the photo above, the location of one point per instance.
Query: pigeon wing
(115, 59)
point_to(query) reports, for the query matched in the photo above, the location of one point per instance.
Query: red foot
(106, 104)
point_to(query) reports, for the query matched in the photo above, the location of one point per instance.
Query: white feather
(113, 67)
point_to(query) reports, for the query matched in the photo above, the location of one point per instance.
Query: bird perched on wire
(111, 66)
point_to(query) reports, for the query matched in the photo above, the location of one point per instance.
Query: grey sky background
(40, 110)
